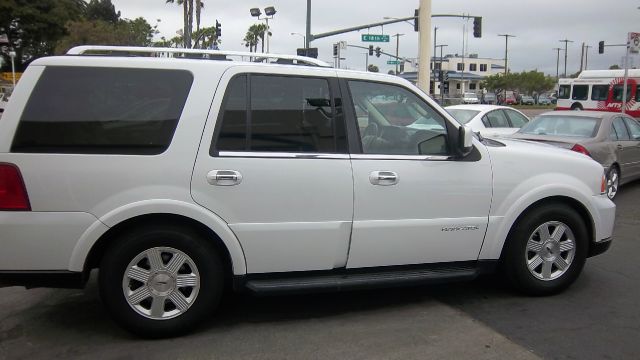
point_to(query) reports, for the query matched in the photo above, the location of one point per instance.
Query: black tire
(516, 255)
(118, 258)
(576, 107)
(613, 182)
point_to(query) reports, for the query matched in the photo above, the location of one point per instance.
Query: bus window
(638, 93)
(617, 93)
(564, 91)
(580, 92)
(600, 92)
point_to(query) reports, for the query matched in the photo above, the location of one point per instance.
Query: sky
(537, 24)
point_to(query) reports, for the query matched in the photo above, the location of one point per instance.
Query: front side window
(564, 91)
(100, 110)
(284, 114)
(580, 92)
(600, 92)
(398, 121)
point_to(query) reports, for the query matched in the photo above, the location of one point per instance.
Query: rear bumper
(50, 279)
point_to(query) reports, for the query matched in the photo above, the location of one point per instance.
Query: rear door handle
(224, 177)
(383, 178)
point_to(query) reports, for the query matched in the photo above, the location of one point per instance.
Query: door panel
(279, 174)
(413, 205)
(633, 150)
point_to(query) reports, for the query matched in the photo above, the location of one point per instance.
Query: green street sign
(393, 62)
(375, 38)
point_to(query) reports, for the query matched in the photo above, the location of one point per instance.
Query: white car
(470, 98)
(4, 100)
(489, 120)
(181, 178)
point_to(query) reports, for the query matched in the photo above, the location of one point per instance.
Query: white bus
(600, 90)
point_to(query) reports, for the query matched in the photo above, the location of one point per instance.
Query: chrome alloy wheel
(550, 250)
(161, 283)
(613, 181)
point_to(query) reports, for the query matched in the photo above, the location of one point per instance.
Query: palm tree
(250, 41)
(187, 27)
(255, 34)
(199, 6)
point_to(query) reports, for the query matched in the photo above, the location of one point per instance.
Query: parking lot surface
(597, 318)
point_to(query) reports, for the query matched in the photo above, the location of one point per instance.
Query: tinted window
(103, 111)
(286, 114)
(600, 92)
(580, 92)
(560, 125)
(398, 122)
(638, 93)
(563, 91)
(618, 91)
(462, 115)
(517, 120)
(233, 133)
(497, 119)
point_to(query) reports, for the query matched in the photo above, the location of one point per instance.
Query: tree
(186, 32)
(199, 6)
(255, 34)
(205, 38)
(34, 27)
(137, 32)
(373, 68)
(102, 10)
(614, 67)
(526, 82)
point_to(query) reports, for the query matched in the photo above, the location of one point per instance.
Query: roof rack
(194, 54)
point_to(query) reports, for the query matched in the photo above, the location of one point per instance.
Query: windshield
(558, 125)
(463, 116)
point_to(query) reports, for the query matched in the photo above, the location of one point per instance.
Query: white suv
(177, 176)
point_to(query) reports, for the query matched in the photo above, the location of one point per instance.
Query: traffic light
(601, 47)
(445, 76)
(335, 50)
(416, 23)
(370, 50)
(441, 76)
(477, 27)
(378, 50)
(218, 29)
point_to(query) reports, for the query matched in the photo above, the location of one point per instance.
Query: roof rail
(193, 53)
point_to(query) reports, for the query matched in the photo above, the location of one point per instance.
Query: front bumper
(604, 218)
(597, 248)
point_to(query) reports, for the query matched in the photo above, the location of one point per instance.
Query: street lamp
(12, 54)
(304, 38)
(269, 12)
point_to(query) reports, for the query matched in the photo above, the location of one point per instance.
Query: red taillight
(13, 195)
(581, 149)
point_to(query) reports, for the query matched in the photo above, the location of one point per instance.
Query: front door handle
(383, 178)
(224, 177)
(620, 147)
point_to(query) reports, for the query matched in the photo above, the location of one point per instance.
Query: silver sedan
(612, 139)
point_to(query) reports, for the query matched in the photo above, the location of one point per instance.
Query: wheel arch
(89, 250)
(576, 205)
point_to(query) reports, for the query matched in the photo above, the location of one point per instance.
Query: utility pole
(557, 63)
(506, 51)
(565, 41)
(433, 71)
(582, 58)
(424, 41)
(397, 36)
(307, 37)
(586, 56)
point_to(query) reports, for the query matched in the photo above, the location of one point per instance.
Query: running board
(353, 279)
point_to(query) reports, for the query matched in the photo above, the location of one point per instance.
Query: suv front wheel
(546, 250)
(160, 281)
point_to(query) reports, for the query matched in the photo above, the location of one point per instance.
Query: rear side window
(497, 119)
(517, 120)
(621, 129)
(103, 111)
(280, 114)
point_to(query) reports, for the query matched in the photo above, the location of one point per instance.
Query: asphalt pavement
(597, 318)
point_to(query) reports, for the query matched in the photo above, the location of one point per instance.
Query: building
(462, 74)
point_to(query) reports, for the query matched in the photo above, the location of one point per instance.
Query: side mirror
(465, 141)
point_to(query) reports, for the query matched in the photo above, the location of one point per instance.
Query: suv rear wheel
(161, 281)
(547, 249)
